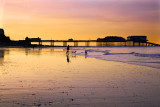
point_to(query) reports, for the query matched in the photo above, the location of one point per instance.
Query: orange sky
(80, 19)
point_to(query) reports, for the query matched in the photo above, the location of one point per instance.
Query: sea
(143, 56)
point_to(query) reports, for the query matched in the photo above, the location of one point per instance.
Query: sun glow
(64, 19)
(1, 12)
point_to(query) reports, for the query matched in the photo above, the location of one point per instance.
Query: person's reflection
(86, 56)
(86, 53)
(52, 50)
(26, 51)
(2, 55)
(68, 58)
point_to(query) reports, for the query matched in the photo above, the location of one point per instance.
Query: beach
(51, 78)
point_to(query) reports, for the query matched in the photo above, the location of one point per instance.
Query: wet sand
(50, 78)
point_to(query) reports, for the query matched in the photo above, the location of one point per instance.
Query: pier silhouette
(107, 41)
(112, 41)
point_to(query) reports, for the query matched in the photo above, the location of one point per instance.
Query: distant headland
(3, 38)
(107, 41)
(6, 41)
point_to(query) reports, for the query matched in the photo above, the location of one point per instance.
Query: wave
(129, 55)
(148, 55)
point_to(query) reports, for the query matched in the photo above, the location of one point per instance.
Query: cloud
(121, 10)
(102, 10)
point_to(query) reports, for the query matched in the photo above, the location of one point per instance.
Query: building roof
(111, 39)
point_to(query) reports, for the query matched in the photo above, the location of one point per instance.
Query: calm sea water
(50, 77)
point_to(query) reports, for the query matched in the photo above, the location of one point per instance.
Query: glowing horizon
(80, 19)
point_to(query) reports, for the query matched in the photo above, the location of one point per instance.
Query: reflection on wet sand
(3, 52)
(33, 51)
(70, 54)
(43, 77)
(38, 51)
(68, 58)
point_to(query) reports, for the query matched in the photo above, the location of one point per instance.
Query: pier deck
(98, 43)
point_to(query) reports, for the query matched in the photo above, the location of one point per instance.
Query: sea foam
(144, 56)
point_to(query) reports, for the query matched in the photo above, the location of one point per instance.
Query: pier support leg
(133, 43)
(125, 44)
(75, 43)
(40, 43)
(139, 44)
(87, 43)
(106, 44)
(98, 43)
(52, 43)
(64, 43)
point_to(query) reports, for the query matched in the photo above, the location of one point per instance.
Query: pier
(97, 43)
(107, 41)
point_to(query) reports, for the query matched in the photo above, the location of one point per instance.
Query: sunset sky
(80, 19)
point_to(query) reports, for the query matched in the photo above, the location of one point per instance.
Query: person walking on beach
(86, 52)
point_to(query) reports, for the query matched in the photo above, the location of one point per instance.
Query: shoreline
(88, 56)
